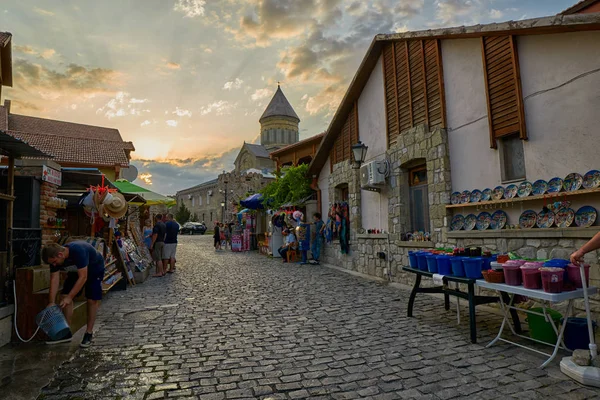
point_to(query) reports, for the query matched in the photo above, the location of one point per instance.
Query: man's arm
(54, 282)
(592, 245)
(81, 279)
(154, 237)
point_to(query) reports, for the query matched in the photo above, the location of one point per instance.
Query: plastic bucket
(552, 279)
(576, 333)
(574, 275)
(444, 267)
(486, 263)
(473, 267)
(52, 321)
(512, 275)
(541, 330)
(412, 259)
(422, 261)
(532, 277)
(458, 268)
(432, 264)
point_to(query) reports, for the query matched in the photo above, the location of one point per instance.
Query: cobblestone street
(232, 326)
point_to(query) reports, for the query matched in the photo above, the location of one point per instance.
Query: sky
(187, 80)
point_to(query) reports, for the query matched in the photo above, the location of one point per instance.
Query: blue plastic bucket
(422, 260)
(559, 263)
(52, 321)
(443, 264)
(473, 267)
(432, 263)
(412, 259)
(576, 333)
(458, 268)
(486, 263)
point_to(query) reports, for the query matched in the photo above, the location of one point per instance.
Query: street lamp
(359, 150)
(224, 203)
(223, 211)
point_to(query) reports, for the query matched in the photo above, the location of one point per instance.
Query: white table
(538, 294)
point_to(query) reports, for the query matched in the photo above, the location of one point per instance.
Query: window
(208, 200)
(200, 200)
(341, 193)
(512, 158)
(419, 199)
(193, 201)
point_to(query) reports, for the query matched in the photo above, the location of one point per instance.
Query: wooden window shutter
(434, 80)
(403, 87)
(417, 82)
(506, 114)
(391, 98)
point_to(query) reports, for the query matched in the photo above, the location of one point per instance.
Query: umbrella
(151, 198)
(253, 202)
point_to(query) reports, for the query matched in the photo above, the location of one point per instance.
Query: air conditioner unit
(372, 175)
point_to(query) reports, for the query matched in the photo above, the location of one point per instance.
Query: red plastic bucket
(552, 279)
(575, 276)
(512, 275)
(532, 277)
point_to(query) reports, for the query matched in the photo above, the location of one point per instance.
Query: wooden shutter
(506, 114)
(391, 97)
(417, 82)
(403, 91)
(348, 136)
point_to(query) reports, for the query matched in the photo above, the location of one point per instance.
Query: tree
(194, 217)
(183, 214)
(289, 186)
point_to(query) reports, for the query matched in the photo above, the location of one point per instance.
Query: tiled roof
(200, 186)
(5, 38)
(3, 118)
(575, 8)
(279, 106)
(315, 138)
(258, 150)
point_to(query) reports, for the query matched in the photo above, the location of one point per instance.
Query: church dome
(279, 106)
(279, 123)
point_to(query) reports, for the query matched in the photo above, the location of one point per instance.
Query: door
(419, 199)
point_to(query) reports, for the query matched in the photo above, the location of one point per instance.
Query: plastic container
(576, 333)
(493, 276)
(496, 266)
(552, 279)
(52, 321)
(557, 262)
(486, 263)
(532, 277)
(412, 259)
(444, 266)
(432, 263)
(512, 275)
(574, 275)
(473, 267)
(422, 261)
(541, 330)
(458, 268)
(502, 258)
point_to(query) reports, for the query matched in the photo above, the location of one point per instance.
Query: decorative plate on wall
(573, 182)
(525, 189)
(486, 195)
(470, 222)
(539, 187)
(498, 193)
(564, 217)
(555, 185)
(455, 198)
(585, 216)
(458, 222)
(511, 191)
(465, 197)
(476, 196)
(545, 219)
(484, 220)
(591, 180)
(499, 219)
(528, 219)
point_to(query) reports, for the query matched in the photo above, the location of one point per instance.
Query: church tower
(279, 123)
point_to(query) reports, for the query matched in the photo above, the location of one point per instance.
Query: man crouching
(85, 268)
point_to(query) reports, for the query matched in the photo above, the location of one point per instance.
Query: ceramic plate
(564, 217)
(486, 195)
(545, 219)
(470, 222)
(525, 189)
(484, 220)
(585, 216)
(539, 187)
(511, 191)
(498, 193)
(465, 197)
(555, 185)
(458, 222)
(455, 198)
(572, 182)
(591, 180)
(476, 196)
(499, 219)
(528, 219)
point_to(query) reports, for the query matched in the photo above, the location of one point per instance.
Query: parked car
(192, 228)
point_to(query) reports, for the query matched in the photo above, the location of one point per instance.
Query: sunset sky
(187, 80)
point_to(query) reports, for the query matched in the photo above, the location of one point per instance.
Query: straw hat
(117, 208)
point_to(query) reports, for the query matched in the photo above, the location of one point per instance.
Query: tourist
(85, 267)
(591, 245)
(217, 236)
(227, 232)
(172, 229)
(158, 244)
(317, 242)
(289, 244)
(148, 233)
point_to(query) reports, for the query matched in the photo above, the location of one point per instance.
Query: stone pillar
(47, 191)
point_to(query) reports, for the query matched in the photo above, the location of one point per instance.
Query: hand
(66, 301)
(577, 257)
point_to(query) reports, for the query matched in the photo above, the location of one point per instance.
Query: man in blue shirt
(170, 249)
(289, 244)
(85, 267)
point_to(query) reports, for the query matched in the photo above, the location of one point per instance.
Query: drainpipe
(389, 252)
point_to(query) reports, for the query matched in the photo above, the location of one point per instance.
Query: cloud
(172, 65)
(21, 105)
(208, 50)
(29, 50)
(180, 112)
(260, 94)
(496, 14)
(172, 122)
(145, 177)
(41, 11)
(122, 105)
(24, 50)
(190, 8)
(236, 84)
(145, 123)
(221, 107)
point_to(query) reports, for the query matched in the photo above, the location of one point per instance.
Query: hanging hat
(117, 208)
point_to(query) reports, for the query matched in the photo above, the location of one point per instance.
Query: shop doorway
(419, 198)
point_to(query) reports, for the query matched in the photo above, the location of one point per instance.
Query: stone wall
(47, 191)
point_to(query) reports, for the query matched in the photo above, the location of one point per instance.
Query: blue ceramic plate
(498, 193)
(486, 195)
(455, 198)
(572, 182)
(475, 196)
(585, 216)
(591, 180)
(564, 217)
(528, 219)
(555, 185)
(458, 222)
(511, 191)
(545, 219)
(499, 220)
(525, 189)
(465, 197)
(470, 222)
(539, 187)
(484, 220)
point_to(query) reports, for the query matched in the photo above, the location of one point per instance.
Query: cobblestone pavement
(234, 326)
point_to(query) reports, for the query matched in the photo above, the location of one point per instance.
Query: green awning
(151, 198)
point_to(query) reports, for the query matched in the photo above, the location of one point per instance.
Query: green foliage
(290, 186)
(183, 214)
(194, 217)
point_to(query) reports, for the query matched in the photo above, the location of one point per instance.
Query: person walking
(170, 250)
(85, 269)
(227, 231)
(158, 244)
(217, 236)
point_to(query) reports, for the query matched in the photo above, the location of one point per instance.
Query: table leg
(413, 294)
(504, 309)
(513, 313)
(559, 340)
(446, 301)
(472, 321)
